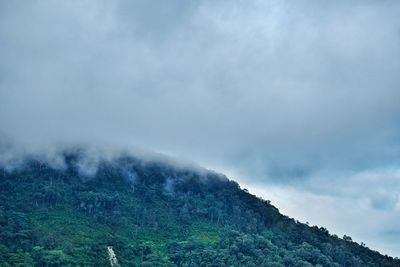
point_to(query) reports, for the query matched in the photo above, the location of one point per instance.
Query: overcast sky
(297, 100)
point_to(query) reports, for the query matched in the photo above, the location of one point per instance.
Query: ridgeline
(131, 212)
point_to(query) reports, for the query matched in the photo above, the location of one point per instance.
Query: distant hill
(132, 212)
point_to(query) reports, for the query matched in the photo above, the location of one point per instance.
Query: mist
(298, 97)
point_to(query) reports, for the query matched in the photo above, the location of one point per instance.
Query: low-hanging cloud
(277, 91)
(295, 86)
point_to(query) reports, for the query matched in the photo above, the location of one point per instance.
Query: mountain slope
(151, 213)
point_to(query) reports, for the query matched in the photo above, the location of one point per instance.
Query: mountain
(128, 211)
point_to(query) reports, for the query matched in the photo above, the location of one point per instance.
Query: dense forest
(132, 212)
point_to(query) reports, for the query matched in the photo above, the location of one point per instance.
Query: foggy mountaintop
(86, 159)
(297, 101)
(85, 209)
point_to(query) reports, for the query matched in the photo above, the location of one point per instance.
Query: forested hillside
(151, 213)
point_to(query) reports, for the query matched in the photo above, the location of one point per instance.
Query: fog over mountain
(296, 100)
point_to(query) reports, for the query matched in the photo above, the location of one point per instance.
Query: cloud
(367, 211)
(296, 86)
(298, 94)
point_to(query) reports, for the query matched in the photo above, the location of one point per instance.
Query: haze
(297, 100)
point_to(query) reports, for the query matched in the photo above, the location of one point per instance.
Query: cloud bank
(298, 94)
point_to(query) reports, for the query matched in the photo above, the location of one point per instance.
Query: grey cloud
(303, 93)
(296, 86)
(384, 201)
(154, 20)
(364, 205)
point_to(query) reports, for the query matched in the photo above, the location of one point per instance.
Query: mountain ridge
(153, 213)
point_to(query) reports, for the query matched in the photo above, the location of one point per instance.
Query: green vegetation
(153, 214)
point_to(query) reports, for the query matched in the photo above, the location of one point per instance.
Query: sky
(296, 100)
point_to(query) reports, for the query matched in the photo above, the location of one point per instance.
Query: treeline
(154, 214)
